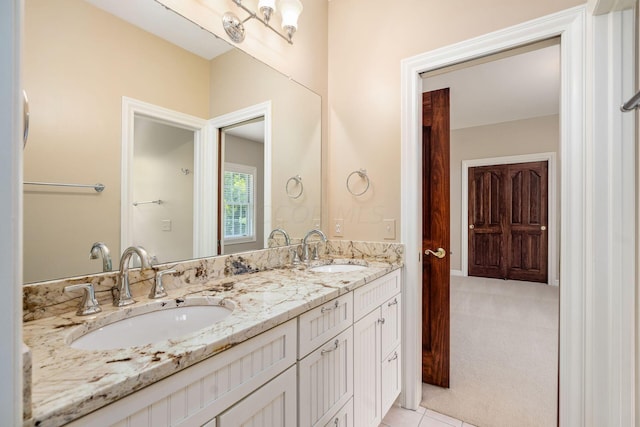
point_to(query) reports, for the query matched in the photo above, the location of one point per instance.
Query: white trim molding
(205, 165)
(11, 15)
(552, 232)
(611, 189)
(252, 112)
(570, 25)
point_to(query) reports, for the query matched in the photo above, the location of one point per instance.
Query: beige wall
(366, 45)
(295, 134)
(530, 136)
(78, 63)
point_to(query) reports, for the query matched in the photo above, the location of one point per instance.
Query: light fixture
(289, 11)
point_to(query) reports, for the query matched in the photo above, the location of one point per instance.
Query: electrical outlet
(316, 223)
(165, 225)
(338, 227)
(389, 228)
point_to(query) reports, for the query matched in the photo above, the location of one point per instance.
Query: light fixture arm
(235, 28)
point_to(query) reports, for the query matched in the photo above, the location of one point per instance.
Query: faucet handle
(157, 290)
(89, 304)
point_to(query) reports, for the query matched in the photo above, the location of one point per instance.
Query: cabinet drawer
(391, 380)
(391, 312)
(344, 418)
(326, 380)
(273, 405)
(315, 327)
(370, 296)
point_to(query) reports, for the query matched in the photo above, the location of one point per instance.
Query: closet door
(526, 241)
(487, 204)
(508, 229)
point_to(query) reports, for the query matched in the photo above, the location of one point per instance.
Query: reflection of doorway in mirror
(163, 189)
(168, 183)
(241, 191)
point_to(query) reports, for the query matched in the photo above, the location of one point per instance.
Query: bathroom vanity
(302, 346)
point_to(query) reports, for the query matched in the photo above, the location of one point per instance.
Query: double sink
(167, 319)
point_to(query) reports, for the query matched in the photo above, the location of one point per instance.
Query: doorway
(241, 191)
(511, 129)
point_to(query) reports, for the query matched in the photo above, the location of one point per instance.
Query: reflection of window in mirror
(239, 200)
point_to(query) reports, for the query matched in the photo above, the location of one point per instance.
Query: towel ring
(298, 180)
(362, 173)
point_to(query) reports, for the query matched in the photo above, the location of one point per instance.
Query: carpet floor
(504, 354)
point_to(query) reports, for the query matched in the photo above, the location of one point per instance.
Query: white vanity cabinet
(325, 375)
(377, 333)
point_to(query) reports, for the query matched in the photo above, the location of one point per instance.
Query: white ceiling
(523, 86)
(253, 131)
(153, 17)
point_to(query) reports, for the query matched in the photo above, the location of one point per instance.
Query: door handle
(440, 253)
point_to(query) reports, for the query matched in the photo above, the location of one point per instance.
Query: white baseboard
(457, 273)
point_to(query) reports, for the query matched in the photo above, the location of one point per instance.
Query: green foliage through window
(238, 197)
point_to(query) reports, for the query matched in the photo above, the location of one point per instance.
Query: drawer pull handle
(394, 357)
(381, 320)
(335, 347)
(326, 309)
(394, 302)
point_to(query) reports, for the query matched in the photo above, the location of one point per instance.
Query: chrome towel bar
(98, 187)
(147, 202)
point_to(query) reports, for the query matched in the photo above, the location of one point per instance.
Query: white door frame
(204, 167)
(550, 158)
(252, 112)
(11, 36)
(571, 26)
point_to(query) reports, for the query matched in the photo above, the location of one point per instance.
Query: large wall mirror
(83, 61)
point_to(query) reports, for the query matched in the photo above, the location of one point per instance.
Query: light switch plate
(389, 229)
(338, 227)
(165, 225)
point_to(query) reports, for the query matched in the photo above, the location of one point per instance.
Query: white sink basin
(337, 268)
(146, 328)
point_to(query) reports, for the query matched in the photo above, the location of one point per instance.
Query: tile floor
(399, 417)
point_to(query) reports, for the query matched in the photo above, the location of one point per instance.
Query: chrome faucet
(287, 240)
(124, 296)
(100, 249)
(305, 245)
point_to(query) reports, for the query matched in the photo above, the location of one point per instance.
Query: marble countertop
(68, 383)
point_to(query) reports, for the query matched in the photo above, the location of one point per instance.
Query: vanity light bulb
(290, 10)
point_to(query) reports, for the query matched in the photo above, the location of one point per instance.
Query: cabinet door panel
(391, 379)
(273, 405)
(391, 328)
(326, 379)
(366, 370)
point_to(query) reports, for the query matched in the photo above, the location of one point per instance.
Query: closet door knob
(471, 226)
(543, 228)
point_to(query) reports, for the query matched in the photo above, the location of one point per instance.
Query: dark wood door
(435, 237)
(508, 208)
